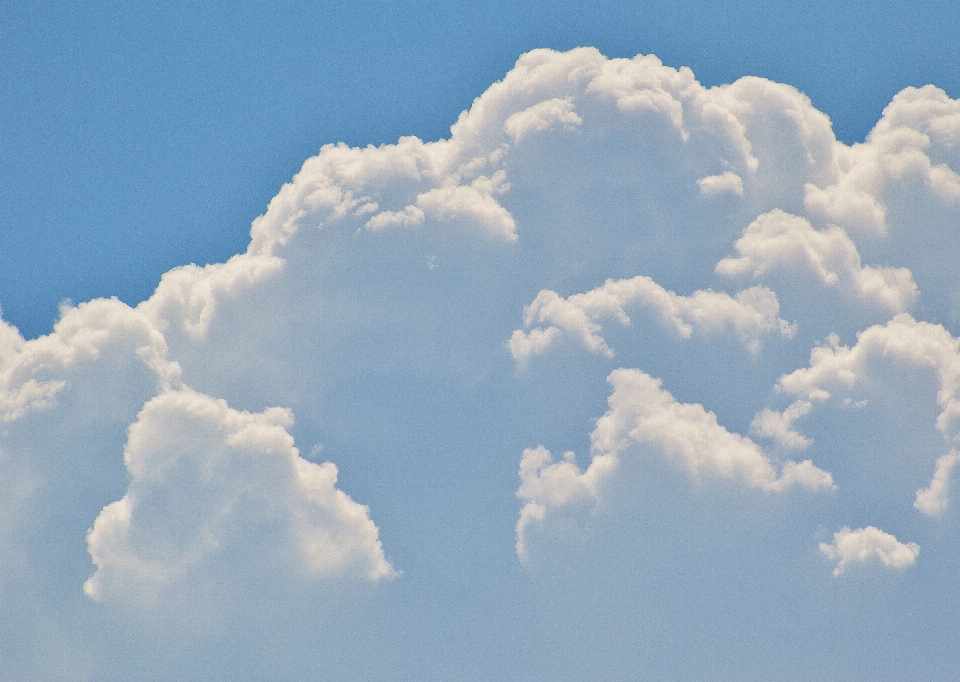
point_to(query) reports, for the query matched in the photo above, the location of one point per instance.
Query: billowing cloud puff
(644, 418)
(865, 545)
(727, 181)
(915, 123)
(541, 116)
(206, 481)
(751, 314)
(373, 303)
(933, 499)
(777, 239)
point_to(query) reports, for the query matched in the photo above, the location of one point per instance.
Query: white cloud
(728, 181)
(838, 369)
(541, 116)
(411, 216)
(915, 124)
(32, 373)
(933, 499)
(331, 313)
(641, 412)
(643, 416)
(546, 486)
(753, 313)
(778, 426)
(834, 367)
(474, 201)
(868, 545)
(208, 480)
(779, 240)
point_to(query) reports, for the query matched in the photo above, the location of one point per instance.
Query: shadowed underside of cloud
(574, 191)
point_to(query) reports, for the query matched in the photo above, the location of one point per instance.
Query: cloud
(373, 302)
(778, 426)
(933, 499)
(643, 418)
(542, 116)
(207, 480)
(103, 331)
(837, 369)
(896, 150)
(728, 181)
(868, 545)
(834, 367)
(780, 240)
(753, 313)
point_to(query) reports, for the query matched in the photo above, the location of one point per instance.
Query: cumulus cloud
(728, 181)
(541, 116)
(898, 148)
(33, 372)
(645, 418)
(753, 313)
(835, 367)
(373, 302)
(933, 499)
(778, 426)
(779, 240)
(208, 480)
(868, 545)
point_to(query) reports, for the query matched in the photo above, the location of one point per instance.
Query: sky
(493, 341)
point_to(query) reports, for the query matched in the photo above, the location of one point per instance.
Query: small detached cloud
(868, 545)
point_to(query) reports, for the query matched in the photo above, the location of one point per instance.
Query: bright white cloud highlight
(645, 418)
(779, 240)
(728, 181)
(752, 314)
(868, 545)
(103, 330)
(933, 499)
(834, 367)
(898, 149)
(207, 480)
(778, 426)
(837, 369)
(542, 116)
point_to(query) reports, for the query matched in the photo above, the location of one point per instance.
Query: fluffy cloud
(207, 480)
(373, 302)
(838, 368)
(915, 123)
(751, 314)
(866, 545)
(541, 116)
(780, 240)
(933, 499)
(727, 181)
(644, 418)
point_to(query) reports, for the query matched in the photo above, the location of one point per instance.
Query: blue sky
(623, 376)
